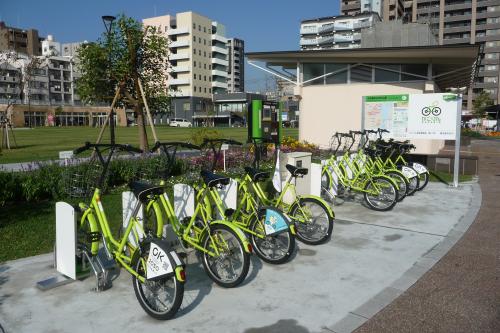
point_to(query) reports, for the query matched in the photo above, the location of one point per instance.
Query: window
(204, 29)
(205, 54)
(382, 75)
(204, 77)
(186, 106)
(205, 90)
(204, 41)
(194, 25)
(199, 53)
(417, 69)
(491, 67)
(314, 70)
(194, 63)
(361, 74)
(209, 90)
(495, 43)
(194, 88)
(199, 40)
(194, 76)
(340, 77)
(194, 51)
(491, 56)
(199, 27)
(194, 38)
(210, 67)
(491, 79)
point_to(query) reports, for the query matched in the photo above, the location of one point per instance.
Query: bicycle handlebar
(159, 144)
(89, 145)
(228, 141)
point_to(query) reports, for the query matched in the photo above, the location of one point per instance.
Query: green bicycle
(311, 215)
(158, 274)
(223, 247)
(270, 231)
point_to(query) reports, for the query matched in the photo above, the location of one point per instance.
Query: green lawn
(29, 229)
(44, 143)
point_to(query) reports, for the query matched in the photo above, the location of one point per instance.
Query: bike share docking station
(265, 126)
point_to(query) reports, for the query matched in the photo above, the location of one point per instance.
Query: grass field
(44, 143)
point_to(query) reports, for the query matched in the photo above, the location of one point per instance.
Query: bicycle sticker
(408, 172)
(158, 263)
(274, 223)
(419, 168)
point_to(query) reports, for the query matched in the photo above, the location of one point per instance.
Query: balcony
(308, 30)
(179, 56)
(217, 84)
(178, 31)
(9, 79)
(219, 61)
(219, 50)
(179, 43)
(180, 93)
(179, 69)
(55, 90)
(179, 82)
(219, 38)
(10, 90)
(219, 73)
(308, 41)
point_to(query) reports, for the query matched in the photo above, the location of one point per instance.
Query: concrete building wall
(19, 40)
(397, 34)
(327, 109)
(236, 68)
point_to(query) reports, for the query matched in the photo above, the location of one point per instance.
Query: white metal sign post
(457, 141)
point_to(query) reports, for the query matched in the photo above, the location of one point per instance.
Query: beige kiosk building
(330, 84)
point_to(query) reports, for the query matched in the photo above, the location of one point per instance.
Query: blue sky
(265, 25)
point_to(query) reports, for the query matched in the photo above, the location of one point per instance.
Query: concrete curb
(370, 308)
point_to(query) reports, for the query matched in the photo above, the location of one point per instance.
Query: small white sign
(419, 168)
(158, 263)
(224, 146)
(408, 172)
(63, 155)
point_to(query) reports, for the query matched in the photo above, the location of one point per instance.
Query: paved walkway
(461, 293)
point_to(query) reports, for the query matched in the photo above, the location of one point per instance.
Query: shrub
(200, 134)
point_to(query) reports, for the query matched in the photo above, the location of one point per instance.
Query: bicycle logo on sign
(433, 109)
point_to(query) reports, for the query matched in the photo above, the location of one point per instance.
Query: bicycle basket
(81, 177)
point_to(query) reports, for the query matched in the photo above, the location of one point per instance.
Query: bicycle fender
(328, 208)
(241, 235)
(390, 180)
(399, 172)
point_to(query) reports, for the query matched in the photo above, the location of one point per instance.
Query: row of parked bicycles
(363, 162)
(224, 237)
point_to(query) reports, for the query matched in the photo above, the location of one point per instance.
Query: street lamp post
(108, 23)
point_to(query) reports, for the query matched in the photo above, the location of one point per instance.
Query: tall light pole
(108, 24)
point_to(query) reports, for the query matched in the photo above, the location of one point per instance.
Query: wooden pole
(150, 119)
(115, 99)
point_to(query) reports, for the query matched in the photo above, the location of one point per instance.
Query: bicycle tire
(286, 238)
(413, 183)
(245, 257)
(391, 194)
(423, 179)
(302, 229)
(139, 289)
(402, 183)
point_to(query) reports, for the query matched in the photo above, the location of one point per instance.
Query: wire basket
(82, 176)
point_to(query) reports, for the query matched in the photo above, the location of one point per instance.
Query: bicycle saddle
(296, 171)
(141, 190)
(256, 174)
(211, 179)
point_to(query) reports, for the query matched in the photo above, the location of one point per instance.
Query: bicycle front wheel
(230, 267)
(160, 299)
(423, 179)
(401, 182)
(274, 249)
(380, 194)
(313, 221)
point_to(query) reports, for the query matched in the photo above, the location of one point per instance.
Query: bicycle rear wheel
(274, 249)
(230, 267)
(380, 194)
(313, 222)
(160, 299)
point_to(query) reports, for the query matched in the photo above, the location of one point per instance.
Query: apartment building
(20, 40)
(198, 60)
(388, 10)
(336, 32)
(236, 68)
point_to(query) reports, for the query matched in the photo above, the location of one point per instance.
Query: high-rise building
(471, 22)
(20, 40)
(336, 32)
(388, 10)
(236, 68)
(198, 59)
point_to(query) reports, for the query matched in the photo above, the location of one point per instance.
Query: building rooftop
(453, 65)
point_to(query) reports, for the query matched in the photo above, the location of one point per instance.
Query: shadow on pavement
(198, 285)
(3, 279)
(283, 325)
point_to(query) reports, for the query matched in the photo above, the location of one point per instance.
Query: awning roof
(453, 65)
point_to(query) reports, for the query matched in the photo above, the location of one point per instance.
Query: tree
(132, 53)
(480, 104)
